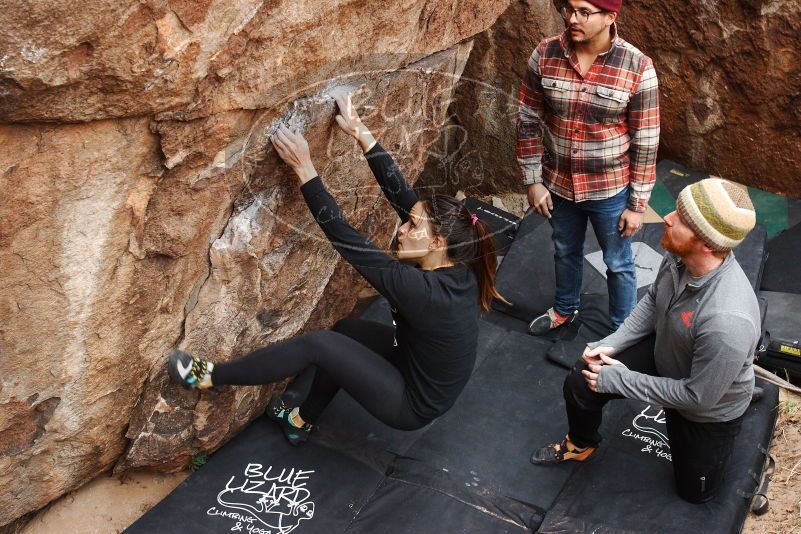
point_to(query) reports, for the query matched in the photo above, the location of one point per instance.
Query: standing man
(587, 138)
(688, 346)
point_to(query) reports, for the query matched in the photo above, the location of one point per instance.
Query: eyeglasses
(582, 15)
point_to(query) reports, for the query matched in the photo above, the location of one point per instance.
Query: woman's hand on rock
(348, 119)
(294, 150)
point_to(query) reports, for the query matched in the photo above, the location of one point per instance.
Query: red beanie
(608, 5)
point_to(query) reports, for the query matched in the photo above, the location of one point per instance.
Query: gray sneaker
(548, 321)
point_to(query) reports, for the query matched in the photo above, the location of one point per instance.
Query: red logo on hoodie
(687, 318)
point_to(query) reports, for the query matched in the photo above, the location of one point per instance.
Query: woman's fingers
(276, 143)
(339, 94)
(281, 140)
(284, 135)
(291, 138)
(285, 151)
(279, 148)
(287, 140)
(292, 148)
(342, 101)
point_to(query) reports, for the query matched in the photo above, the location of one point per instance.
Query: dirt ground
(784, 493)
(104, 506)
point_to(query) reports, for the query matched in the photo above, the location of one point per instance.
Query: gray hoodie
(706, 335)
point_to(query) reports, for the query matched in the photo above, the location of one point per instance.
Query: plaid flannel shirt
(587, 138)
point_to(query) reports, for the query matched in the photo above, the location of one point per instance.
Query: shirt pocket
(607, 105)
(558, 95)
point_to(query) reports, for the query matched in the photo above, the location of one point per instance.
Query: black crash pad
(314, 484)
(414, 498)
(784, 258)
(365, 473)
(502, 224)
(628, 487)
(675, 177)
(783, 327)
(468, 471)
(475, 438)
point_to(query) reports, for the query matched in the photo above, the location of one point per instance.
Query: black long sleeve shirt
(435, 312)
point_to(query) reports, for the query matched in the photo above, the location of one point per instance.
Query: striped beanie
(720, 213)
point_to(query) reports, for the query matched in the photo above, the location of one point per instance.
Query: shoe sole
(567, 322)
(293, 441)
(584, 456)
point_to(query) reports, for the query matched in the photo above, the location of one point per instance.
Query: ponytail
(485, 264)
(469, 241)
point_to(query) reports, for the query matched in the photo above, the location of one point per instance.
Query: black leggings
(700, 451)
(357, 356)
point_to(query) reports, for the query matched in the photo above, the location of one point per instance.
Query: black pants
(357, 355)
(700, 451)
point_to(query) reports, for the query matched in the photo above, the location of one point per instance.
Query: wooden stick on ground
(773, 379)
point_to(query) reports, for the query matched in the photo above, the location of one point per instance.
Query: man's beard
(583, 37)
(680, 250)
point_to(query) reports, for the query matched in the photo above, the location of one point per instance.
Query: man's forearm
(639, 324)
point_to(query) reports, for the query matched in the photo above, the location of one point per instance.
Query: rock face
(476, 151)
(268, 272)
(150, 211)
(730, 92)
(184, 58)
(730, 86)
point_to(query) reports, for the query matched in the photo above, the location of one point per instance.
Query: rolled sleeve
(643, 120)
(529, 129)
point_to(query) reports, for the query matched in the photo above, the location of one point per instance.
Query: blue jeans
(569, 223)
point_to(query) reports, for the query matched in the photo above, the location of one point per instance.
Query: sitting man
(687, 346)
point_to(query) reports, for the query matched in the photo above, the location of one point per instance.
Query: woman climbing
(405, 376)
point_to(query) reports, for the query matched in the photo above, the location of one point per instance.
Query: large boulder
(79, 61)
(150, 211)
(265, 276)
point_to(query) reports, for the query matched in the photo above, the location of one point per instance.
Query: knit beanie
(720, 213)
(608, 5)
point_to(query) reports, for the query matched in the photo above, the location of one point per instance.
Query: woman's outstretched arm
(403, 285)
(386, 171)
